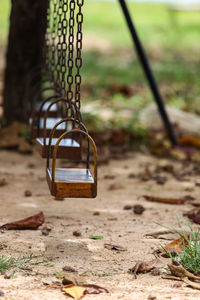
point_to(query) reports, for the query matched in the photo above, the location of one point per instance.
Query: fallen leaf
(127, 207)
(74, 291)
(96, 237)
(32, 222)
(192, 284)
(175, 246)
(178, 270)
(146, 266)
(115, 186)
(77, 292)
(69, 269)
(94, 289)
(114, 247)
(189, 140)
(195, 217)
(196, 203)
(177, 201)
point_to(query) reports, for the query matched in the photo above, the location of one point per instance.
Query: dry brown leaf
(77, 292)
(146, 266)
(175, 246)
(94, 289)
(189, 140)
(165, 200)
(194, 285)
(74, 291)
(195, 217)
(178, 270)
(32, 222)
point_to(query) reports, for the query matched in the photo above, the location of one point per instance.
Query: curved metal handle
(40, 110)
(53, 132)
(56, 149)
(69, 108)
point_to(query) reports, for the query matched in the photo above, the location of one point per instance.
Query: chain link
(78, 60)
(64, 46)
(70, 61)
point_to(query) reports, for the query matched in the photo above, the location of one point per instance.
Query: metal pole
(149, 74)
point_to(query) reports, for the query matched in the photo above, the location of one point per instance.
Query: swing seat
(72, 183)
(51, 114)
(50, 123)
(68, 148)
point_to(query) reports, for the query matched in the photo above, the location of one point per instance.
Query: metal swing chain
(64, 26)
(53, 40)
(78, 60)
(59, 44)
(70, 62)
(46, 49)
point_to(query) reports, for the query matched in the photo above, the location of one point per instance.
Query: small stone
(152, 297)
(128, 207)
(96, 213)
(27, 193)
(31, 166)
(115, 186)
(109, 177)
(138, 209)
(3, 182)
(66, 281)
(131, 175)
(77, 233)
(69, 269)
(45, 231)
(160, 179)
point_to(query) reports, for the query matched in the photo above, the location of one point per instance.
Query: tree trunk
(24, 52)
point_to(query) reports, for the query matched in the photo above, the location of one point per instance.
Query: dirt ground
(103, 216)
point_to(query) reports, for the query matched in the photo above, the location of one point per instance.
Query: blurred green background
(111, 71)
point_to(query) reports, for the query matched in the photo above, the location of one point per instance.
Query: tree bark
(24, 52)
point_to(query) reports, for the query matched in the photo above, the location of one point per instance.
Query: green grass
(8, 263)
(189, 258)
(4, 21)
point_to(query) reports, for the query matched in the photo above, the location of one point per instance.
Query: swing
(67, 182)
(37, 119)
(69, 147)
(45, 125)
(37, 102)
(72, 183)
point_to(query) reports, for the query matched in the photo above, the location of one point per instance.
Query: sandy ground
(94, 263)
